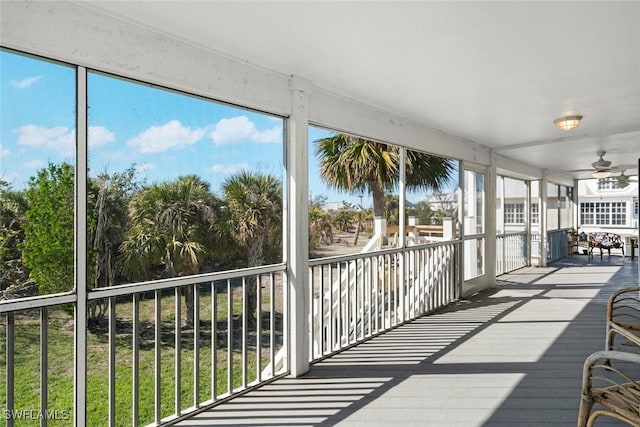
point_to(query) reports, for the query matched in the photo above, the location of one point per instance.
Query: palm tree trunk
(377, 193)
(358, 226)
(254, 259)
(188, 293)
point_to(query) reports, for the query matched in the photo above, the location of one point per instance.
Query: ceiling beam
(562, 139)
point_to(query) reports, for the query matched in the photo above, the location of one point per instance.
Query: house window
(618, 211)
(535, 213)
(514, 213)
(603, 213)
(610, 183)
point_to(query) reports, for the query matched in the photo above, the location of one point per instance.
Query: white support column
(80, 332)
(542, 190)
(527, 220)
(575, 218)
(297, 217)
(462, 231)
(490, 223)
(402, 233)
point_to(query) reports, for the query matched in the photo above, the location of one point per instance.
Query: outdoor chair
(611, 388)
(604, 241)
(623, 320)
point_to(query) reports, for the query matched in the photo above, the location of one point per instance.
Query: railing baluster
(246, 312)
(158, 357)
(259, 329)
(44, 363)
(322, 336)
(214, 340)
(312, 335)
(135, 362)
(332, 318)
(229, 337)
(196, 346)
(272, 326)
(11, 324)
(112, 361)
(178, 353)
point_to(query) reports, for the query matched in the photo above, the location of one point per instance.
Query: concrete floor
(510, 356)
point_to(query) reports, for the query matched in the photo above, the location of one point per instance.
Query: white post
(80, 331)
(542, 192)
(297, 217)
(380, 229)
(490, 224)
(448, 228)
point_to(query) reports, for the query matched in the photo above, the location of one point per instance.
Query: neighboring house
(604, 206)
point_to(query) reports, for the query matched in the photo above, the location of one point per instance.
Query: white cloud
(241, 129)
(233, 168)
(25, 83)
(59, 138)
(171, 135)
(4, 152)
(145, 167)
(34, 164)
(99, 136)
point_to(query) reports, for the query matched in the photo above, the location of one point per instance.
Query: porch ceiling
(497, 73)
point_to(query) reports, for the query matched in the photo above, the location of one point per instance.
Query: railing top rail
(156, 285)
(39, 301)
(342, 258)
(515, 233)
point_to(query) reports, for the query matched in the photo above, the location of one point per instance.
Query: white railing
(357, 296)
(511, 252)
(147, 363)
(557, 244)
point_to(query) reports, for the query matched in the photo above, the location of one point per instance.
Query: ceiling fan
(624, 180)
(602, 168)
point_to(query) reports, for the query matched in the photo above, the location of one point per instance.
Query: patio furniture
(623, 319)
(610, 387)
(606, 241)
(572, 243)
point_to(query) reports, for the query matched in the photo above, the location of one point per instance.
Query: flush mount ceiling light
(567, 122)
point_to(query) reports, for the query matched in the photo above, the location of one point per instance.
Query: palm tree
(109, 196)
(254, 218)
(171, 227)
(353, 164)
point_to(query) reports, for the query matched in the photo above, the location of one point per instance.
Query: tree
(48, 229)
(253, 216)
(13, 206)
(353, 164)
(343, 219)
(422, 210)
(320, 229)
(109, 197)
(171, 225)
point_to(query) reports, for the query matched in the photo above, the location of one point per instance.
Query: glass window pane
(179, 185)
(431, 198)
(474, 202)
(37, 175)
(553, 220)
(353, 193)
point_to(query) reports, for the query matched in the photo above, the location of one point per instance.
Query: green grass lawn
(61, 363)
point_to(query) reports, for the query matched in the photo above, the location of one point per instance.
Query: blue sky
(163, 133)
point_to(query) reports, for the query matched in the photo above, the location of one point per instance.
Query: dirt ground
(342, 245)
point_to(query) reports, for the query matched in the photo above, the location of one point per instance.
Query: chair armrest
(611, 384)
(625, 303)
(598, 368)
